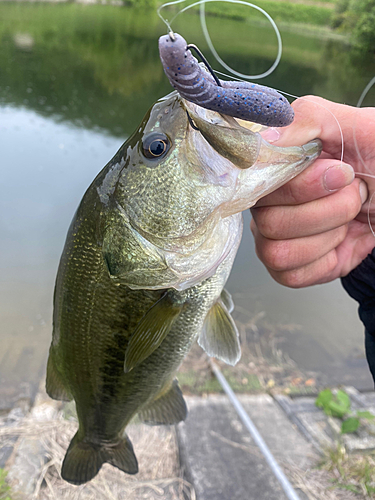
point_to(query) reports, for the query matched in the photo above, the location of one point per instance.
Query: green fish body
(143, 270)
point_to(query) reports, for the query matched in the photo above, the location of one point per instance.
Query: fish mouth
(244, 146)
(257, 167)
(225, 135)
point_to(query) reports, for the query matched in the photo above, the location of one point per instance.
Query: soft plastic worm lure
(244, 100)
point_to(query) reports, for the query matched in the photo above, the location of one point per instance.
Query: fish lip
(214, 118)
(312, 147)
(228, 138)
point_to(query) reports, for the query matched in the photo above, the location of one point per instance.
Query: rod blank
(279, 474)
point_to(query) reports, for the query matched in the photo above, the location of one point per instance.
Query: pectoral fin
(219, 337)
(169, 408)
(226, 297)
(151, 331)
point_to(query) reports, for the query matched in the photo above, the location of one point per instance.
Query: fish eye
(155, 146)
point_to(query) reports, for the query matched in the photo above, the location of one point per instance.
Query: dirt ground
(263, 365)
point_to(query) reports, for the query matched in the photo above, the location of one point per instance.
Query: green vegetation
(202, 383)
(285, 11)
(97, 66)
(355, 18)
(352, 472)
(338, 405)
(358, 18)
(4, 487)
(79, 55)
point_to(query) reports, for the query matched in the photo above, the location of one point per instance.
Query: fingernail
(271, 134)
(338, 176)
(363, 191)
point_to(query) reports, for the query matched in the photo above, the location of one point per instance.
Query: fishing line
(365, 92)
(242, 76)
(359, 104)
(308, 100)
(359, 174)
(368, 214)
(208, 38)
(218, 58)
(330, 112)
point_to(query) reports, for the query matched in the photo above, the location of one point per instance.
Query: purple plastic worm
(244, 100)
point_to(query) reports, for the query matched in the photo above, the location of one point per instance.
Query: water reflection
(74, 82)
(98, 66)
(45, 169)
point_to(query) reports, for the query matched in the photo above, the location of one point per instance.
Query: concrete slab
(220, 457)
(283, 439)
(323, 431)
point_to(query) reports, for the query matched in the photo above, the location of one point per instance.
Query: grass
(5, 493)
(191, 382)
(159, 476)
(314, 13)
(263, 366)
(354, 473)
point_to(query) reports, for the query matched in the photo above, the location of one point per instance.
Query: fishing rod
(259, 441)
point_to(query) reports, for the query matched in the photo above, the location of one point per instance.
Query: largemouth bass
(143, 270)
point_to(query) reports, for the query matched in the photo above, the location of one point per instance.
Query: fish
(143, 270)
(244, 100)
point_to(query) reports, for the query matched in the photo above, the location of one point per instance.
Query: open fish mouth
(244, 147)
(259, 167)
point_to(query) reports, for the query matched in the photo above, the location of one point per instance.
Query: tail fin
(83, 460)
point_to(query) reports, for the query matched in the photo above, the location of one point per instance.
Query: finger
(318, 216)
(359, 242)
(317, 117)
(320, 179)
(368, 207)
(320, 271)
(285, 255)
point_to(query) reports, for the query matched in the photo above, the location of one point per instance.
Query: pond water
(75, 80)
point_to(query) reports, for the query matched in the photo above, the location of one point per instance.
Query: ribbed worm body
(245, 100)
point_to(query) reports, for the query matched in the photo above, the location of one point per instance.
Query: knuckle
(294, 278)
(277, 254)
(292, 191)
(352, 207)
(306, 101)
(340, 234)
(266, 221)
(308, 275)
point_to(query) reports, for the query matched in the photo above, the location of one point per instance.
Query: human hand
(315, 228)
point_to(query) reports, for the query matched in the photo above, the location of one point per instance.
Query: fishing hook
(206, 63)
(191, 122)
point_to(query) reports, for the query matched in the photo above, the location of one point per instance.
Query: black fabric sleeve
(360, 285)
(370, 352)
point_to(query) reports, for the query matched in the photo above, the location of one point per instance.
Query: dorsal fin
(219, 337)
(151, 331)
